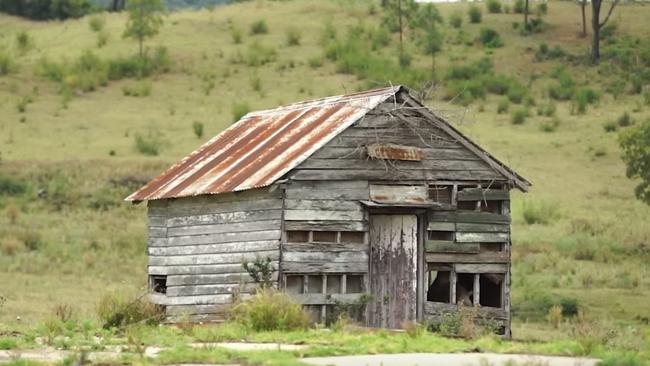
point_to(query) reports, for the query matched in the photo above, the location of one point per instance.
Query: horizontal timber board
(237, 247)
(324, 267)
(224, 228)
(485, 228)
(309, 204)
(468, 217)
(157, 232)
(217, 238)
(241, 196)
(325, 215)
(218, 207)
(324, 247)
(181, 310)
(463, 237)
(214, 318)
(360, 153)
(379, 164)
(326, 257)
(193, 300)
(437, 246)
(184, 280)
(326, 225)
(480, 268)
(204, 259)
(485, 257)
(442, 226)
(226, 217)
(157, 220)
(391, 174)
(479, 194)
(201, 269)
(214, 289)
(437, 309)
(329, 299)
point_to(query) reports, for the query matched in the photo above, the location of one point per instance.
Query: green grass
(75, 155)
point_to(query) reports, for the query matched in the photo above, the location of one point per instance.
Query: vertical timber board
(505, 211)
(393, 262)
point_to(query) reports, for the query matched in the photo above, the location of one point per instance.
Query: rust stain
(395, 152)
(262, 146)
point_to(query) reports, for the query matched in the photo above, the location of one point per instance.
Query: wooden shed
(369, 193)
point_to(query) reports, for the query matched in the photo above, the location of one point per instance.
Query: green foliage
(197, 127)
(7, 63)
(546, 109)
(493, 6)
(47, 9)
(635, 144)
(117, 311)
(550, 126)
(490, 38)
(139, 89)
(610, 126)
(96, 23)
(396, 9)
(541, 9)
(583, 97)
(626, 359)
(625, 120)
(23, 42)
(259, 54)
(261, 271)
(149, 144)
(144, 20)
(270, 309)
(565, 87)
(293, 36)
(474, 13)
(541, 213)
(456, 19)
(518, 7)
(236, 34)
(8, 343)
(503, 106)
(545, 53)
(519, 116)
(239, 110)
(259, 27)
(11, 186)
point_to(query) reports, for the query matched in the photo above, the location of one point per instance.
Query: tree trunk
(595, 27)
(526, 15)
(583, 5)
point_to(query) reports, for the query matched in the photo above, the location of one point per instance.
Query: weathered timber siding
(201, 242)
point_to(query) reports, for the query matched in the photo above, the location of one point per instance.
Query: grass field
(68, 238)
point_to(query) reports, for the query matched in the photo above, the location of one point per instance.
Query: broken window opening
(491, 206)
(352, 237)
(297, 236)
(441, 194)
(314, 284)
(439, 286)
(440, 235)
(491, 294)
(324, 236)
(354, 284)
(467, 205)
(465, 289)
(492, 247)
(158, 283)
(294, 284)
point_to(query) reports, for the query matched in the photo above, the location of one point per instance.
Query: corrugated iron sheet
(261, 147)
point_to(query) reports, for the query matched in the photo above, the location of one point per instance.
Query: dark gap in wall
(465, 289)
(440, 285)
(324, 236)
(491, 294)
(297, 236)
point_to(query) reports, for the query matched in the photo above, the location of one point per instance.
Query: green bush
(541, 9)
(259, 27)
(239, 110)
(259, 55)
(11, 186)
(490, 38)
(546, 109)
(474, 13)
(149, 144)
(539, 213)
(270, 309)
(473, 70)
(96, 23)
(7, 64)
(117, 311)
(610, 126)
(518, 7)
(456, 19)
(8, 343)
(565, 87)
(315, 62)
(634, 143)
(519, 116)
(380, 37)
(197, 127)
(625, 120)
(23, 42)
(518, 93)
(236, 35)
(139, 89)
(570, 306)
(550, 126)
(503, 106)
(493, 6)
(293, 36)
(583, 97)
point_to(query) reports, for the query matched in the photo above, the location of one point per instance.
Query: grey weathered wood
(326, 299)
(224, 228)
(379, 164)
(157, 232)
(324, 190)
(193, 290)
(436, 309)
(197, 318)
(323, 215)
(442, 226)
(217, 238)
(175, 210)
(324, 267)
(202, 269)
(203, 259)
(193, 300)
(326, 225)
(180, 310)
(481, 237)
(184, 280)
(440, 246)
(324, 247)
(159, 221)
(227, 217)
(478, 194)
(391, 174)
(398, 193)
(486, 228)
(326, 205)
(468, 217)
(326, 256)
(486, 257)
(236, 247)
(480, 268)
(476, 299)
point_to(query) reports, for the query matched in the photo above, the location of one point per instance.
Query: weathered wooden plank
(323, 247)
(227, 217)
(324, 267)
(479, 194)
(392, 174)
(468, 217)
(192, 300)
(160, 221)
(224, 228)
(485, 228)
(336, 205)
(217, 238)
(201, 269)
(465, 237)
(486, 257)
(425, 141)
(326, 256)
(157, 232)
(378, 164)
(181, 310)
(197, 318)
(326, 225)
(349, 190)
(436, 309)
(184, 280)
(228, 197)
(326, 299)
(384, 193)
(481, 267)
(204, 259)
(219, 207)
(324, 215)
(194, 290)
(356, 153)
(442, 226)
(237, 247)
(440, 246)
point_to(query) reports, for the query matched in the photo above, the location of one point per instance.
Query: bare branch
(611, 9)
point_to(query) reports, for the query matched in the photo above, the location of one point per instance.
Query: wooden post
(323, 308)
(452, 286)
(477, 290)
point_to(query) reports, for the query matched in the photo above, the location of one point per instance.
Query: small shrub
(405, 60)
(259, 55)
(546, 109)
(259, 27)
(7, 64)
(518, 7)
(117, 311)
(140, 89)
(474, 13)
(554, 316)
(11, 186)
(518, 93)
(456, 19)
(541, 9)
(270, 309)
(539, 213)
(239, 110)
(610, 126)
(31, 239)
(503, 106)
(197, 127)
(293, 36)
(493, 6)
(23, 41)
(261, 271)
(8, 343)
(550, 126)
(236, 35)
(149, 144)
(10, 245)
(102, 39)
(96, 23)
(519, 116)
(570, 306)
(63, 312)
(609, 30)
(490, 38)
(583, 97)
(625, 120)
(380, 37)
(315, 62)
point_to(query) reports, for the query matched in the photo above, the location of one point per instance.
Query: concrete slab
(240, 346)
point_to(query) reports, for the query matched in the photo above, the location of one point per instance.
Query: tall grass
(270, 309)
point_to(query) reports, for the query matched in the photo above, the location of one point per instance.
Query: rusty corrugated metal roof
(262, 147)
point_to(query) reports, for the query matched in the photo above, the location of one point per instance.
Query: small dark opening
(491, 206)
(354, 284)
(491, 247)
(440, 194)
(441, 235)
(465, 289)
(297, 236)
(466, 205)
(352, 237)
(439, 287)
(294, 284)
(158, 284)
(324, 236)
(491, 294)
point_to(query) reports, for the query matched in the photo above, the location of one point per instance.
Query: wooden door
(393, 270)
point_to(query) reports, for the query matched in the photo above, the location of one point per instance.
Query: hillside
(66, 236)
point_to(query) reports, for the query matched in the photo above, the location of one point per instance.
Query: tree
(427, 20)
(597, 25)
(399, 14)
(117, 5)
(526, 14)
(635, 143)
(583, 5)
(144, 20)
